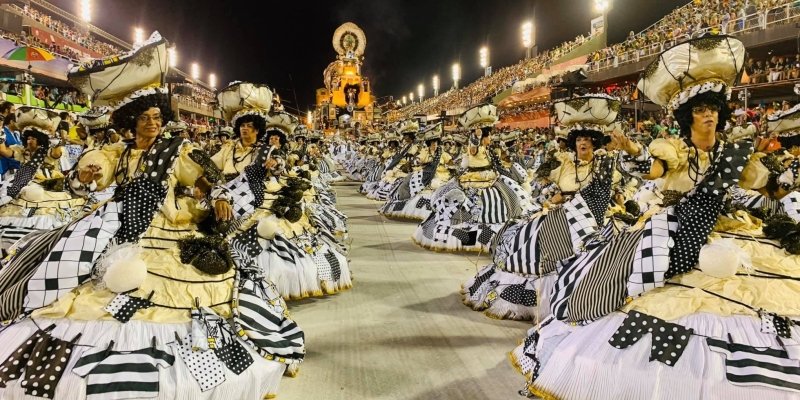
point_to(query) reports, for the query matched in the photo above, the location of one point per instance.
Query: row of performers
(690, 245)
(153, 268)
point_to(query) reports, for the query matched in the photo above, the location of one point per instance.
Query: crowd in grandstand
(693, 20)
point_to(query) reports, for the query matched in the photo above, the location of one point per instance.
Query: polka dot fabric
(235, 356)
(598, 193)
(26, 172)
(43, 359)
(774, 324)
(205, 366)
(518, 294)
(668, 340)
(122, 307)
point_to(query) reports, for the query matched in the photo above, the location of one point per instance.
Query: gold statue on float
(346, 87)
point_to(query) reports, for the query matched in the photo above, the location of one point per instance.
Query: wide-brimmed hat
(481, 116)
(95, 118)
(44, 120)
(706, 64)
(244, 98)
(432, 132)
(587, 112)
(118, 80)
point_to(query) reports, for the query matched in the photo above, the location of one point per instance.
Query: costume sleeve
(89, 360)
(186, 169)
(105, 158)
(221, 156)
(666, 151)
(755, 174)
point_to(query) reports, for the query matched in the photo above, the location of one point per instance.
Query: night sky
(408, 41)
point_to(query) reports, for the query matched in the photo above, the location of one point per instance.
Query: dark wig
(279, 134)
(259, 122)
(787, 142)
(486, 131)
(125, 116)
(683, 115)
(596, 136)
(42, 140)
(430, 141)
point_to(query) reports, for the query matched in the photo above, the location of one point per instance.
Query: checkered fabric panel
(651, 259)
(580, 219)
(70, 261)
(791, 205)
(416, 184)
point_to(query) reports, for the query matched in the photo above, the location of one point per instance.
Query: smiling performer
(134, 284)
(692, 300)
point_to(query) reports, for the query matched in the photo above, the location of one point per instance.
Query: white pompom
(123, 267)
(32, 193)
(268, 227)
(722, 258)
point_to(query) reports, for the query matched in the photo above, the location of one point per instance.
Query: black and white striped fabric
(284, 249)
(518, 200)
(122, 375)
(69, 263)
(493, 209)
(651, 259)
(261, 318)
(756, 366)
(520, 250)
(592, 284)
(19, 270)
(10, 234)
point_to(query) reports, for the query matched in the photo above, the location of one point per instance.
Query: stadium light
(212, 80)
(421, 91)
(456, 74)
(404, 100)
(527, 37)
(484, 55)
(602, 5)
(195, 71)
(86, 10)
(138, 35)
(435, 85)
(411, 96)
(172, 54)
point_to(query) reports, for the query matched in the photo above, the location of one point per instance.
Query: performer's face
(148, 124)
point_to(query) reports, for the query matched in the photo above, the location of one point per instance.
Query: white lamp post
(527, 37)
(86, 10)
(435, 85)
(484, 59)
(456, 74)
(421, 91)
(138, 36)
(195, 71)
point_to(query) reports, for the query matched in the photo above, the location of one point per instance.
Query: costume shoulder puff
(668, 151)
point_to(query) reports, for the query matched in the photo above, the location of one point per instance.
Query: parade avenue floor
(401, 332)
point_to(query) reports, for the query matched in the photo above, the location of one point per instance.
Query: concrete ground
(401, 332)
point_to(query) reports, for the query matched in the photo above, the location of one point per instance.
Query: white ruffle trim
(578, 363)
(260, 380)
(686, 94)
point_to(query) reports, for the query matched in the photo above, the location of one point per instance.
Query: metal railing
(760, 20)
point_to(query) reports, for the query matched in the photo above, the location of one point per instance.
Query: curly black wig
(486, 131)
(683, 115)
(596, 136)
(42, 139)
(275, 132)
(787, 142)
(259, 122)
(429, 142)
(125, 116)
